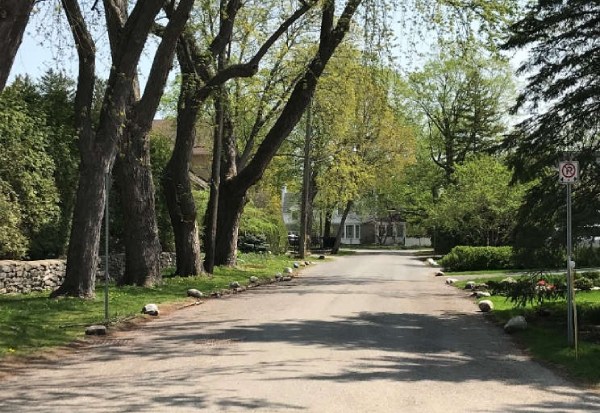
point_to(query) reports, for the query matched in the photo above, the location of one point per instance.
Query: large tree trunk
(228, 219)
(340, 231)
(142, 244)
(212, 210)
(228, 222)
(140, 235)
(197, 65)
(311, 203)
(14, 16)
(177, 186)
(327, 229)
(80, 275)
(98, 150)
(82, 263)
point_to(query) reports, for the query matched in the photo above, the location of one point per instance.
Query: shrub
(587, 257)
(584, 284)
(588, 313)
(536, 288)
(592, 275)
(545, 256)
(13, 244)
(463, 258)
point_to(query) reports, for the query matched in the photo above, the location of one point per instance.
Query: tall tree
(239, 178)
(98, 146)
(14, 16)
(480, 205)
(562, 92)
(360, 133)
(134, 174)
(201, 75)
(562, 100)
(462, 98)
(51, 99)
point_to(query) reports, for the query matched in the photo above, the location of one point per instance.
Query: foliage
(583, 284)
(587, 256)
(55, 97)
(562, 89)
(51, 101)
(13, 243)
(416, 191)
(537, 243)
(459, 20)
(461, 98)
(536, 288)
(362, 137)
(26, 171)
(463, 258)
(561, 99)
(478, 207)
(266, 223)
(160, 152)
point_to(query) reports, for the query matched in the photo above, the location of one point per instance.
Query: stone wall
(28, 276)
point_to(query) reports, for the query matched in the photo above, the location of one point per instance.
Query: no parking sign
(568, 172)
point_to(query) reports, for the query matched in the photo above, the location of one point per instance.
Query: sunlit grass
(33, 321)
(546, 336)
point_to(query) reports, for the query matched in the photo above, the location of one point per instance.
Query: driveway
(372, 332)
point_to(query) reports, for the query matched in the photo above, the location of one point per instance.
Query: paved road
(375, 332)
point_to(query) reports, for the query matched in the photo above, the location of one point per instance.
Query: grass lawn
(33, 321)
(546, 336)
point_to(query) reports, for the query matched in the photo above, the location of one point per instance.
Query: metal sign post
(106, 234)
(568, 172)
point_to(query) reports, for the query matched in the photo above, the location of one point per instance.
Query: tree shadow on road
(395, 347)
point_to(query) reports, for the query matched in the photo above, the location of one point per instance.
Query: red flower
(541, 283)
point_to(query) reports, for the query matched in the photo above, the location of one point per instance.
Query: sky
(40, 52)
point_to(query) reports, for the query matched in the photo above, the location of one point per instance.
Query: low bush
(584, 284)
(463, 258)
(536, 288)
(587, 257)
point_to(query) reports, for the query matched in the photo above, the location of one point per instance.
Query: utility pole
(304, 230)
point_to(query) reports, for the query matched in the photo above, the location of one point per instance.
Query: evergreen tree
(562, 96)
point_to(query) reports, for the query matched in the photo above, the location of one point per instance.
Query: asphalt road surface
(374, 332)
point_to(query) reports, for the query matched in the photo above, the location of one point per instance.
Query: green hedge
(464, 258)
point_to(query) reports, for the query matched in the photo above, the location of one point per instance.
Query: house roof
(201, 152)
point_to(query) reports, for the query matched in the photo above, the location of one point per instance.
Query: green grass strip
(30, 322)
(546, 336)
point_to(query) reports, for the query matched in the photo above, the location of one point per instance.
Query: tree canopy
(478, 208)
(461, 98)
(562, 91)
(26, 176)
(560, 102)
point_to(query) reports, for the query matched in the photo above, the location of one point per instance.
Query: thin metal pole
(106, 235)
(570, 313)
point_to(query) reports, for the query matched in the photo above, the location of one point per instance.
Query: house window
(349, 231)
(390, 231)
(357, 231)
